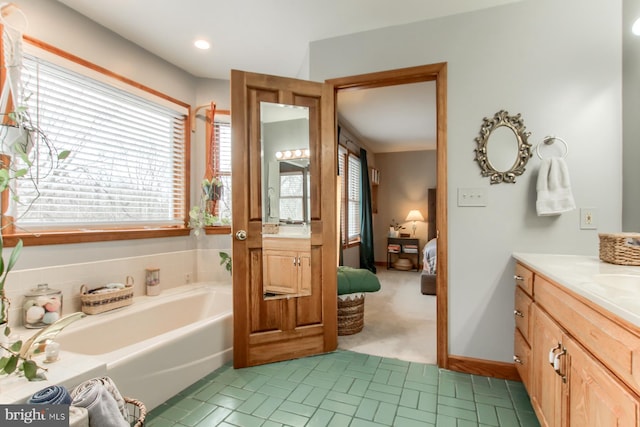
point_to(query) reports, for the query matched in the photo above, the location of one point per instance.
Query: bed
(429, 252)
(428, 276)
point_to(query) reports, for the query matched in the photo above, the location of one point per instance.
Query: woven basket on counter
(350, 315)
(99, 303)
(620, 248)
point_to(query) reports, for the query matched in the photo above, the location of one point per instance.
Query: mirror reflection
(502, 148)
(286, 205)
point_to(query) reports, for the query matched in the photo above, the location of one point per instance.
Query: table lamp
(414, 215)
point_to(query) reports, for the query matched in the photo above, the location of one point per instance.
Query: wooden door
(547, 390)
(269, 330)
(596, 397)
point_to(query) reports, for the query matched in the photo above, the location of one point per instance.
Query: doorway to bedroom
(402, 102)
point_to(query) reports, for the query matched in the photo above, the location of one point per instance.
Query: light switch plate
(472, 197)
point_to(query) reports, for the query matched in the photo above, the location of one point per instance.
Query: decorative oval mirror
(502, 147)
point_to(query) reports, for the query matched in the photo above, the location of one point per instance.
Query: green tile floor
(344, 388)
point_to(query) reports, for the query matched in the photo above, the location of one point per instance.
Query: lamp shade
(414, 215)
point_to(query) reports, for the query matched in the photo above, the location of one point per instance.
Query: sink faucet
(38, 342)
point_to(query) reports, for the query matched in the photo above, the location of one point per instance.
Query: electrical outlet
(588, 218)
(187, 278)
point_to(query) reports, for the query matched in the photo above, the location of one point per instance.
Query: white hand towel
(554, 188)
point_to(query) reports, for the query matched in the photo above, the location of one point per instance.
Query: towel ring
(549, 140)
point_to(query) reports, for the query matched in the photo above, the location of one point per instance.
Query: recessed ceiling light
(202, 44)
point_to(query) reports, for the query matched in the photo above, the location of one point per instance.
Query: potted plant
(203, 214)
(212, 192)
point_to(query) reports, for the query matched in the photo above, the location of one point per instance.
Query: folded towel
(78, 417)
(554, 188)
(101, 406)
(110, 386)
(52, 395)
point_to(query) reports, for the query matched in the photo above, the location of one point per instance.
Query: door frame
(423, 73)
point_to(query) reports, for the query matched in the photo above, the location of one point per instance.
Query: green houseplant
(11, 362)
(203, 214)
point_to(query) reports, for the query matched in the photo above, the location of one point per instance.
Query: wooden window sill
(220, 229)
(89, 236)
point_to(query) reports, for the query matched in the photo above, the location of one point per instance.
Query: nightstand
(403, 244)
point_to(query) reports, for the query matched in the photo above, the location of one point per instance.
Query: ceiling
(273, 36)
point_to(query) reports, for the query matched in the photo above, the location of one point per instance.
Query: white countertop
(587, 276)
(69, 371)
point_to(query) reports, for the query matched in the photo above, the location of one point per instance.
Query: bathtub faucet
(38, 342)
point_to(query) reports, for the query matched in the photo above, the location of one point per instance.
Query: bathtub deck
(346, 389)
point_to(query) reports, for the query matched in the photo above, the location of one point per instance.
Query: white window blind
(349, 170)
(127, 161)
(353, 192)
(342, 171)
(291, 196)
(222, 165)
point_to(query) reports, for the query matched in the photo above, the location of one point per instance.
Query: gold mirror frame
(516, 124)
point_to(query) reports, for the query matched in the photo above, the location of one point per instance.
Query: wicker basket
(350, 315)
(616, 248)
(137, 412)
(99, 303)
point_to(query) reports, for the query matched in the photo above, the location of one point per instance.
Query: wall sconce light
(414, 215)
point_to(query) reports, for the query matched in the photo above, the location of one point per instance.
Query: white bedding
(429, 257)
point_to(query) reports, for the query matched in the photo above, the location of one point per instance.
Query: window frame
(347, 242)
(211, 169)
(84, 234)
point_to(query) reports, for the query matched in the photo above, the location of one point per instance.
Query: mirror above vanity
(286, 207)
(503, 149)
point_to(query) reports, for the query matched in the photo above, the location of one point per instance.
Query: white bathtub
(159, 345)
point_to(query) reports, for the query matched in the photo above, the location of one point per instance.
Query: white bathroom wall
(562, 71)
(68, 266)
(631, 112)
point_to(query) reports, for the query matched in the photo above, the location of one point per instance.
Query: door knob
(241, 235)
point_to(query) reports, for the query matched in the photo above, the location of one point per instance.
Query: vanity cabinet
(583, 363)
(286, 266)
(522, 314)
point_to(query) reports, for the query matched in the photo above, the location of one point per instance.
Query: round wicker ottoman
(350, 314)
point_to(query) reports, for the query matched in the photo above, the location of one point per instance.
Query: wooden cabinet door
(596, 397)
(270, 330)
(304, 270)
(547, 386)
(522, 359)
(280, 271)
(522, 312)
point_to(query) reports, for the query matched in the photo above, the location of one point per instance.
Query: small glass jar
(152, 276)
(42, 306)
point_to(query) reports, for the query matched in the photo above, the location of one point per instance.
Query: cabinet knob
(516, 359)
(518, 278)
(518, 313)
